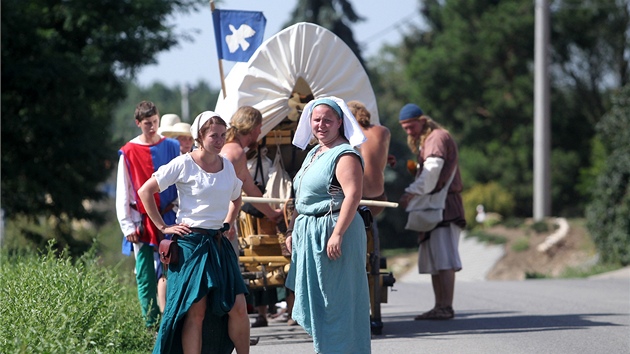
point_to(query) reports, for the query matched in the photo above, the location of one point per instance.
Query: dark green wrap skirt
(207, 266)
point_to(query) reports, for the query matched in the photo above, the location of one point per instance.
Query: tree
(607, 214)
(471, 68)
(168, 100)
(64, 64)
(332, 15)
(591, 41)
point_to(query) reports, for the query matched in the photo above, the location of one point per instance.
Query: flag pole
(220, 62)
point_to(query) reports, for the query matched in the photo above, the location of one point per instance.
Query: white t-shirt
(204, 197)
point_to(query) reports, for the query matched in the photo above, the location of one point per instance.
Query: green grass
(535, 275)
(521, 244)
(539, 227)
(513, 222)
(53, 304)
(393, 252)
(487, 237)
(579, 272)
(584, 272)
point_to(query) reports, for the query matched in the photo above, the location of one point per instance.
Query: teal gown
(207, 266)
(332, 300)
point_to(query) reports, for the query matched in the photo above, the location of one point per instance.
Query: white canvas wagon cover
(303, 51)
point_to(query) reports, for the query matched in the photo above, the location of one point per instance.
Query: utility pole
(183, 89)
(542, 125)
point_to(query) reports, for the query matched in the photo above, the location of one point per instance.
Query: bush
(492, 196)
(486, 237)
(521, 244)
(607, 214)
(513, 222)
(54, 305)
(539, 227)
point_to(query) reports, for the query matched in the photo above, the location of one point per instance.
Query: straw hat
(177, 129)
(167, 121)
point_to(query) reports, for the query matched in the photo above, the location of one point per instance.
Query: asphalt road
(533, 316)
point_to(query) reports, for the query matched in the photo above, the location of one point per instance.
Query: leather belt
(319, 215)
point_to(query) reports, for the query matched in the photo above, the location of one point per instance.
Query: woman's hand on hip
(177, 229)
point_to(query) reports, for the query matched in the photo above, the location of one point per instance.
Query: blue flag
(238, 33)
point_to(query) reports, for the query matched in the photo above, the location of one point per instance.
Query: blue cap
(409, 111)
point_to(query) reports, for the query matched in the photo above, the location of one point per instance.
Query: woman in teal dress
(327, 235)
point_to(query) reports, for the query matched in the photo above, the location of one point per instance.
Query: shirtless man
(375, 155)
(244, 130)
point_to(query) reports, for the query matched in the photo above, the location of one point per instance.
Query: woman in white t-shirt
(205, 288)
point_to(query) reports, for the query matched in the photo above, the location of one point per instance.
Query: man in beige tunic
(438, 253)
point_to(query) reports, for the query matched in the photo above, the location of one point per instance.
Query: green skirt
(207, 266)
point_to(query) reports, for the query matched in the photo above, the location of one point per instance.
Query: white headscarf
(351, 128)
(201, 119)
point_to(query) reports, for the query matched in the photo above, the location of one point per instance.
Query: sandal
(445, 313)
(429, 315)
(442, 313)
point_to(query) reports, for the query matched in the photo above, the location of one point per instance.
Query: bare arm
(249, 187)
(146, 192)
(350, 176)
(375, 154)
(233, 210)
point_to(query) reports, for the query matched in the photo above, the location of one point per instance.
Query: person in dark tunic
(438, 253)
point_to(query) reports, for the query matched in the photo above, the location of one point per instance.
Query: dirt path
(521, 258)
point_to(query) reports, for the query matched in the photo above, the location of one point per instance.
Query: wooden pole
(262, 200)
(264, 259)
(219, 59)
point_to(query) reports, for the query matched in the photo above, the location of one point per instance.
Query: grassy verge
(400, 260)
(483, 236)
(53, 304)
(396, 252)
(585, 272)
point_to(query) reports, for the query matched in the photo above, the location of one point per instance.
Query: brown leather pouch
(169, 254)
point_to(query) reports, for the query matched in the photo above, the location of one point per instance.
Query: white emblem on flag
(237, 38)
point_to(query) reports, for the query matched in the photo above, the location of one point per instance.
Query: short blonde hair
(244, 120)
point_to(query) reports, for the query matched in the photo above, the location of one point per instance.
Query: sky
(196, 60)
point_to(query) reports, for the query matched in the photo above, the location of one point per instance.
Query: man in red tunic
(139, 158)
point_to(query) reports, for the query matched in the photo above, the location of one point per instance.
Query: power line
(403, 21)
(585, 6)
